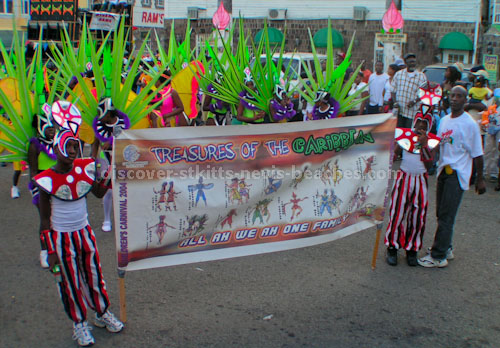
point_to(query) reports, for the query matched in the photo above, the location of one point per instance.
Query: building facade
(427, 24)
(19, 9)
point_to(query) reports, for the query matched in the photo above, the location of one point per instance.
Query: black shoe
(411, 258)
(392, 256)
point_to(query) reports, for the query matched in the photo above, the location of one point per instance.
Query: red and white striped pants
(82, 282)
(408, 212)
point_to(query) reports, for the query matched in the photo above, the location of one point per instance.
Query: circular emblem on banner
(131, 153)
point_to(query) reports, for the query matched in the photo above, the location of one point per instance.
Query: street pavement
(321, 296)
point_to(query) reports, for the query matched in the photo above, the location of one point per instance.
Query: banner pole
(375, 247)
(123, 301)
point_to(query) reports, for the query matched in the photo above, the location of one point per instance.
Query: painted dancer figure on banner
(300, 177)
(335, 201)
(244, 190)
(331, 174)
(234, 192)
(324, 203)
(171, 196)
(162, 196)
(228, 219)
(272, 186)
(160, 228)
(261, 210)
(368, 170)
(199, 188)
(358, 199)
(196, 224)
(296, 208)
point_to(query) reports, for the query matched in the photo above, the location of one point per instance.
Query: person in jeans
(460, 146)
(405, 84)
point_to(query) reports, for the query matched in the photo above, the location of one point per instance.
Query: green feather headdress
(107, 76)
(21, 110)
(264, 71)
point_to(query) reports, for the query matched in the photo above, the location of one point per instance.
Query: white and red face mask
(67, 116)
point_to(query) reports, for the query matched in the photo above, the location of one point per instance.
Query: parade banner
(193, 194)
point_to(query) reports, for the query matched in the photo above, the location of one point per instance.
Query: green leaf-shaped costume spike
(232, 89)
(108, 69)
(330, 80)
(17, 102)
(107, 73)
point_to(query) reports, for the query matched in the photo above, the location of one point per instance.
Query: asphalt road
(322, 296)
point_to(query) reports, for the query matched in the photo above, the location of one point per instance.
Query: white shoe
(429, 262)
(14, 192)
(109, 321)
(106, 226)
(449, 253)
(81, 333)
(44, 259)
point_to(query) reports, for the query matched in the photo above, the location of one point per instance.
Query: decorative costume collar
(408, 140)
(45, 146)
(282, 112)
(247, 99)
(331, 112)
(69, 186)
(105, 132)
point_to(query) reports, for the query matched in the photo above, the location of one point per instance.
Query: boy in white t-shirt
(460, 146)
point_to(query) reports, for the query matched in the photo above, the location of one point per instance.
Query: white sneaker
(109, 321)
(106, 226)
(449, 253)
(44, 259)
(14, 192)
(81, 333)
(429, 262)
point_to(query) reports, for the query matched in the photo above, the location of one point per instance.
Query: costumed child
(71, 244)
(248, 112)
(325, 107)
(41, 157)
(409, 199)
(108, 124)
(17, 166)
(281, 108)
(171, 110)
(217, 109)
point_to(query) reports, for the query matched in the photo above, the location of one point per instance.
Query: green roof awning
(275, 35)
(456, 41)
(321, 38)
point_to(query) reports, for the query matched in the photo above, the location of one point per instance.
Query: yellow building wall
(21, 20)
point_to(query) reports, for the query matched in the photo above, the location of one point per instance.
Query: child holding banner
(409, 198)
(70, 241)
(409, 195)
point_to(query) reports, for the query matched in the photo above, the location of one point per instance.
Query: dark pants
(372, 109)
(404, 122)
(448, 197)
